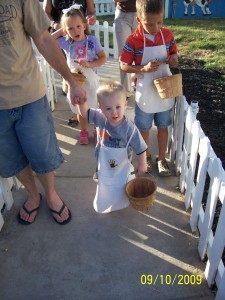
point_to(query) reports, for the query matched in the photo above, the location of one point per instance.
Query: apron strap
(103, 134)
(162, 37)
(131, 136)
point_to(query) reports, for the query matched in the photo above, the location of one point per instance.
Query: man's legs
(53, 200)
(26, 177)
(125, 24)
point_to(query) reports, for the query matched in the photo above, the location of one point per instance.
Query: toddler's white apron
(147, 97)
(91, 85)
(114, 171)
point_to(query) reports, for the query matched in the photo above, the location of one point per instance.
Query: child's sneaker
(149, 164)
(163, 168)
(84, 137)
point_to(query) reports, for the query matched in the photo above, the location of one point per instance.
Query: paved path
(123, 255)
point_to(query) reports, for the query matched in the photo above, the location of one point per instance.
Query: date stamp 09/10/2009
(167, 279)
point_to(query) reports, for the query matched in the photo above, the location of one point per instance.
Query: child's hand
(172, 60)
(85, 63)
(152, 66)
(142, 169)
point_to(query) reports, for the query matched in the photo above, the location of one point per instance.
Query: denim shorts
(144, 120)
(27, 136)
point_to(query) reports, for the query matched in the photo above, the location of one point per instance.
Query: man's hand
(76, 94)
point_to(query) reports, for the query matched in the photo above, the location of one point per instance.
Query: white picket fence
(104, 7)
(105, 33)
(195, 163)
(201, 174)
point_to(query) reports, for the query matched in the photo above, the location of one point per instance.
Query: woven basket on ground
(169, 86)
(80, 79)
(141, 193)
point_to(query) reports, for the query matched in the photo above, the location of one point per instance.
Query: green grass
(200, 39)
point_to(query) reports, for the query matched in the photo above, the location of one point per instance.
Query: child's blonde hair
(145, 7)
(109, 88)
(73, 13)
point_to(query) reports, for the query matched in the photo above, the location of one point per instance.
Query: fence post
(194, 107)
(195, 130)
(106, 37)
(115, 47)
(182, 109)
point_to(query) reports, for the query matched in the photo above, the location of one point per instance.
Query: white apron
(114, 171)
(90, 86)
(147, 97)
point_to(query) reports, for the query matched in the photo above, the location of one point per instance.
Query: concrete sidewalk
(123, 255)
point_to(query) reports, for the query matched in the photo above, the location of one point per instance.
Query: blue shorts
(144, 120)
(27, 136)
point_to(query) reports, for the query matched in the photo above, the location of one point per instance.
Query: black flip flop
(29, 212)
(59, 214)
(73, 123)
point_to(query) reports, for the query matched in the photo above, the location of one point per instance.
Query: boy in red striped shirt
(149, 52)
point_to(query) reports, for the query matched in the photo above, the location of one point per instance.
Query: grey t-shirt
(117, 137)
(21, 81)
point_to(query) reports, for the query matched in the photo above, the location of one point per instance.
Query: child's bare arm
(172, 60)
(142, 164)
(83, 108)
(152, 66)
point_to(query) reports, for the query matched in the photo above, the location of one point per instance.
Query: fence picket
(215, 173)
(204, 149)
(1, 206)
(215, 250)
(186, 148)
(106, 37)
(5, 186)
(221, 289)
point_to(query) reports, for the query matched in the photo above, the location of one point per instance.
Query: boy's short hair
(149, 7)
(108, 88)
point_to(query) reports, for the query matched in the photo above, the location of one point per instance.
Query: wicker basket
(170, 86)
(141, 193)
(80, 79)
